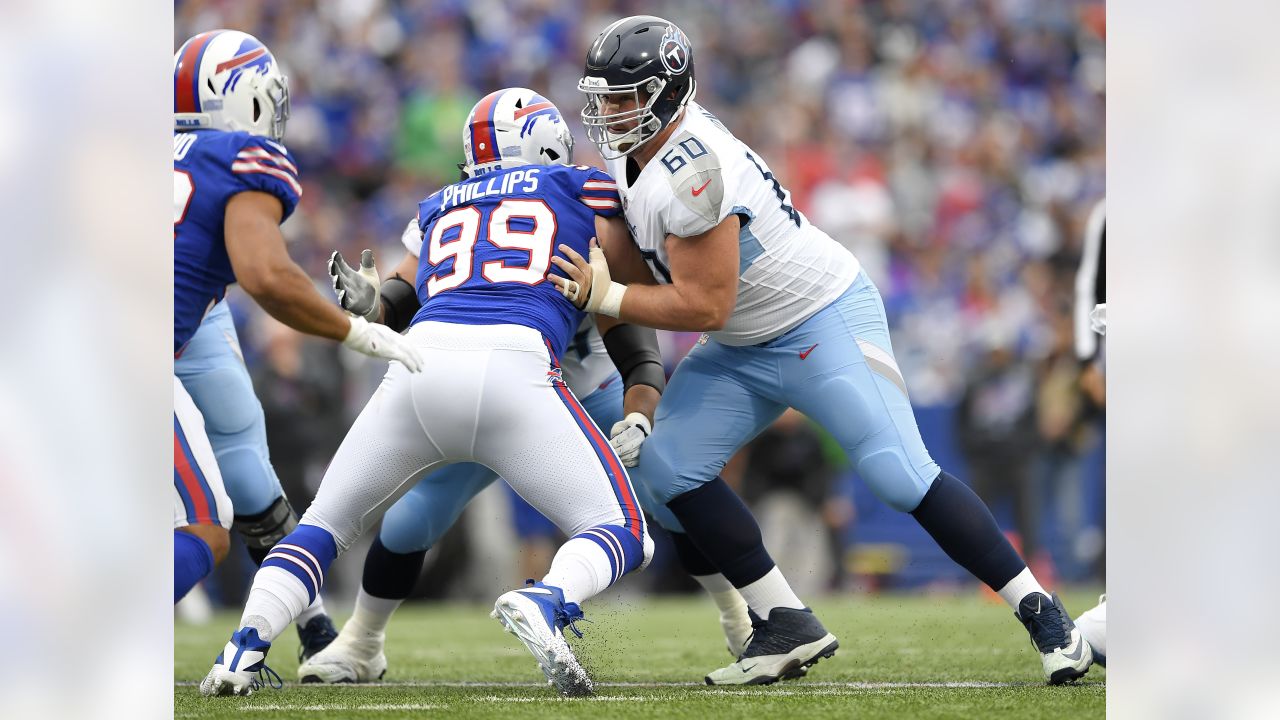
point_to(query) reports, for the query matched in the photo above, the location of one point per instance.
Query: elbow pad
(634, 351)
(399, 303)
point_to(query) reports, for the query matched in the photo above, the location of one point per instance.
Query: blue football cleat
(538, 615)
(241, 666)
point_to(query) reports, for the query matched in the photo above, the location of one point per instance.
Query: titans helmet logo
(674, 51)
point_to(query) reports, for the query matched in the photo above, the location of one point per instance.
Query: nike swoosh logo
(805, 354)
(1079, 651)
(698, 191)
(746, 669)
(1037, 605)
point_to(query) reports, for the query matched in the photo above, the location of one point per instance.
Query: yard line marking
(337, 706)
(961, 685)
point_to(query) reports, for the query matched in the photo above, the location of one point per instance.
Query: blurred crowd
(955, 146)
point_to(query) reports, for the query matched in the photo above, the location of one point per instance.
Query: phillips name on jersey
(788, 269)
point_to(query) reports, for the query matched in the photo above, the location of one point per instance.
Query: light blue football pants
(421, 517)
(212, 370)
(837, 368)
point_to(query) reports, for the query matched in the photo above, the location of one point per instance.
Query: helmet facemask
(645, 95)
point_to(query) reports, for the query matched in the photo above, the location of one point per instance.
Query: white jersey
(788, 269)
(586, 364)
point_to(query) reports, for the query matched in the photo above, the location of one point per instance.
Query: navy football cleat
(1064, 654)
(315, 636)
(781, 648)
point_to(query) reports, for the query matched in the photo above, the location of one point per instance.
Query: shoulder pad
(697, 180)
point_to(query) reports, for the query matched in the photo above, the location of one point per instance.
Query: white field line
(828, 690)
(323, 708)
(656, 685)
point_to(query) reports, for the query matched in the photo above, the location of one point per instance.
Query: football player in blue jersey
(233, 184)
(619, 378)
(492, 327)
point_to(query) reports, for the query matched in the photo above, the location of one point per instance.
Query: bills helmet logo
(555, 376)
(252, 55)
(674, 51)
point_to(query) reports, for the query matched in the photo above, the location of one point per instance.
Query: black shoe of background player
(315, 636)
(781, 647)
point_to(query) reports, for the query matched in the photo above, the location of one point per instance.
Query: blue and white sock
(192, 561)
(289, 580)
(593, 560)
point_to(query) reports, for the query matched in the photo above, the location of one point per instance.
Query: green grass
(897, 655)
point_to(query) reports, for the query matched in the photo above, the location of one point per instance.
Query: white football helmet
(515, 126)
(229, 80)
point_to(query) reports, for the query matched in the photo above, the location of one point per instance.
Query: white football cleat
(537, 615)
(781, 648)
(1092, 625)
(347, 660)
(1064, 654)
(241, 666)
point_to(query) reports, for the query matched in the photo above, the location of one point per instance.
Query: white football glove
(357, 289)
(381, 341)
(1098, 318)
(628, 434)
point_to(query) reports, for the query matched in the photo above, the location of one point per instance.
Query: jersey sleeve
(697, 202)
(599, 192)
(267, 166)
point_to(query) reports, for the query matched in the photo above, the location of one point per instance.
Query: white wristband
(611, 303)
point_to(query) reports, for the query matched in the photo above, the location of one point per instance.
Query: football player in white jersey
(790, 320)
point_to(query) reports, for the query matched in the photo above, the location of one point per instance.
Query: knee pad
(892, 479)
(263, 530)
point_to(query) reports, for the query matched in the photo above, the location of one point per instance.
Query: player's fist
(381, 341)
(357, 290)
(628, 434)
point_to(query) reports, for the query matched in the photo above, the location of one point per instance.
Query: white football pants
(199, 497)
(489, 394)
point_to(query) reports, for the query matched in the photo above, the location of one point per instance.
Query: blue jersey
(488, 242)
(209, 168)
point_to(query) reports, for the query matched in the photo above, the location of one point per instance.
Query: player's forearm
(671, 307)
(642, 399)
(289, 296)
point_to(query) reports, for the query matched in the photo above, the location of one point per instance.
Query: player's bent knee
(661, 480)
(892, 479)
(408, 527)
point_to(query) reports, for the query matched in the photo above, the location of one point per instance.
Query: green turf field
(900, 657)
